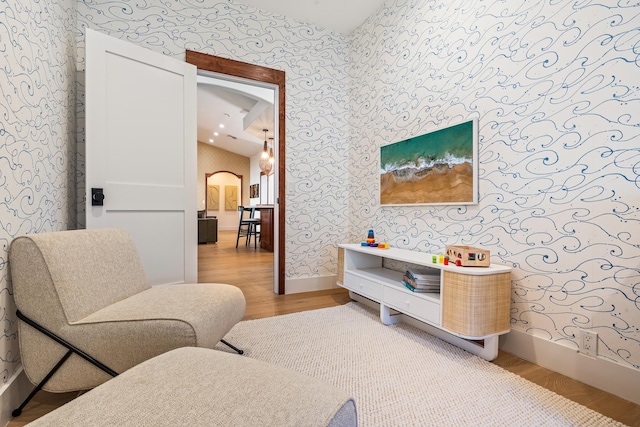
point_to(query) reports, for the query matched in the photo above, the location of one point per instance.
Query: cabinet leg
(387, 317)
(490, 349)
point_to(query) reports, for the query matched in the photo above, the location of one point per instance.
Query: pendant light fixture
(271, 158)
(265, 165)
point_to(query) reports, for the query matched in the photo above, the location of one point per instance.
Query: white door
(141, 150)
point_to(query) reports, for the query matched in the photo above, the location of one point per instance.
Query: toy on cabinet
(468, 256)
(370, 237)
(371, 241)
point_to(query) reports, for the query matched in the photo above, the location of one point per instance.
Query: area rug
(401, 376)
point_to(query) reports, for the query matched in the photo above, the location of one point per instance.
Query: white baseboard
(12, 394)
(597, 372)
(309, 284)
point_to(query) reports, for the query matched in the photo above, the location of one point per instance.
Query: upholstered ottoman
(201, 387)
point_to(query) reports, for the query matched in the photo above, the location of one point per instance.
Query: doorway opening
(236, 71)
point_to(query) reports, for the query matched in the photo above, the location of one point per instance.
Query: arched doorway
(223, 196)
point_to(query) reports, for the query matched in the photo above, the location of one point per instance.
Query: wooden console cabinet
(471, 310)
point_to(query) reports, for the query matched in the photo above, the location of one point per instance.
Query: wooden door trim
(259, 73)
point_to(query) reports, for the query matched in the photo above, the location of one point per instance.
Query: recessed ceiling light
(215, 134)
(211, 140)
(221, 125)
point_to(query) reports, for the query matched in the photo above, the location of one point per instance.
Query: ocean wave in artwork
(418, 167)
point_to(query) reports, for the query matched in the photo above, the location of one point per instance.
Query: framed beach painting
(438, 167)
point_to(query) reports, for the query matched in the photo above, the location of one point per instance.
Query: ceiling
(232, 116)
(241, 108)
(342, 16)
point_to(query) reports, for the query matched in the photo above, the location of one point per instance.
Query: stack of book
(422, 280)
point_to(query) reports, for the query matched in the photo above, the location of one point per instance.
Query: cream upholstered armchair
(87, 311)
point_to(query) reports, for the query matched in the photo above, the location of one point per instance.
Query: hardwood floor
(251, 270)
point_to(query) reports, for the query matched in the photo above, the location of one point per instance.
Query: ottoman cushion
(201, 387)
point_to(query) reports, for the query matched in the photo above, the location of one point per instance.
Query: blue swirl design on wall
(554, 86)
(37, 141)
(552, 83)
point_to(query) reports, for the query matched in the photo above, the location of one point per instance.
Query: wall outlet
(588, 342)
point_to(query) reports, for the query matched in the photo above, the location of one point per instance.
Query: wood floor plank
(600, 401)
(252, 271)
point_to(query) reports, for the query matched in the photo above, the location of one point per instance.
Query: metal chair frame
(71, 349)
(251, 225)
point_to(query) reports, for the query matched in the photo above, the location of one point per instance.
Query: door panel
(143, 227)
(141, 149)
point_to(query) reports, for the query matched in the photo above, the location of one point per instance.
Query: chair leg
(71, 350)
(234, 348)
(66, 344)
(255, 236)
(16, 412)
(239, 234)
(251, 232)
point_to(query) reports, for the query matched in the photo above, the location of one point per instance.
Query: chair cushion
(209, 309)
(201, 387)
(89, 269)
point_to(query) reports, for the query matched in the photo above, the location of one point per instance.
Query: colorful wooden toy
(370, 237)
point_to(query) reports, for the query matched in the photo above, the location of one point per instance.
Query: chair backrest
(246, 213)
(64, 276)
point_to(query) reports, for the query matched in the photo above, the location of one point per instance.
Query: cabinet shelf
(392, 278)
(473, 303)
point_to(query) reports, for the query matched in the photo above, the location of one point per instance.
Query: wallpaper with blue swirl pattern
(37, 136)
(315, 63)
(555, 86)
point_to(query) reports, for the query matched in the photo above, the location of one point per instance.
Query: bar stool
(248, 226)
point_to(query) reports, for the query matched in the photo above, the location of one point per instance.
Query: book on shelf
(432, 289)
(424, 275)
(421, 285)
(418, 280)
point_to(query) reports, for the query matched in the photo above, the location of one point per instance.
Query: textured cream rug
(401, 376)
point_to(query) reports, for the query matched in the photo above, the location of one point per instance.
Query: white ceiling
(229, 103)
(342, 16)
(244, 111)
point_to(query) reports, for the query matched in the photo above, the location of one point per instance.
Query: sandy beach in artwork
(440, 184)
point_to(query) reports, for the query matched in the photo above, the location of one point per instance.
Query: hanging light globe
(265, 165)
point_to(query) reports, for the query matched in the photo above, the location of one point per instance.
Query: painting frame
(231, 198)
(213, 197)
(254, 191)
(439, 167)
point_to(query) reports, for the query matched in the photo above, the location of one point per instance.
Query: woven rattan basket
(476, 306)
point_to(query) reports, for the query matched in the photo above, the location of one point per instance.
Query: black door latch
(97, 197)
